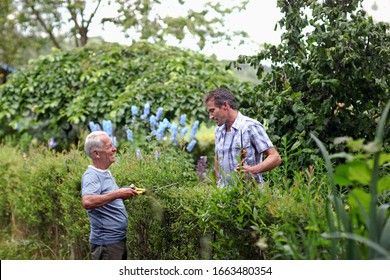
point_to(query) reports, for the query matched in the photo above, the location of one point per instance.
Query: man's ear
(225, 105)
(96, 154)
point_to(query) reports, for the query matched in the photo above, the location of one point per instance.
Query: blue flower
(161, 128)
(191, 145)
(52, 143)
(174, 128)
(166, 123)
(183, 119)
(107, 127)
(194, 129)
(153, 121)
(146, 111)
(159, 113)
(129, 135)
(184, 131)
(134, 110)
(160, 132)
(156, 155)
(113, 141)
(94, 126)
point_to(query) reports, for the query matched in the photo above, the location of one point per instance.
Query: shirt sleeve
(90, 184)
(259, 138)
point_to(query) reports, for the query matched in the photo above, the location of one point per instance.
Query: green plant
(61, 92)
(327, 74)
(227, 220)
(296, 207)
(363, 232)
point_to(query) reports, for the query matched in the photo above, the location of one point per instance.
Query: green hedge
(184, 218)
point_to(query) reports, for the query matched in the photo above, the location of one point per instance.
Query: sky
(258, 20)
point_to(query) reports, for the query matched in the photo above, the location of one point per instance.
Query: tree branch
(43, 24)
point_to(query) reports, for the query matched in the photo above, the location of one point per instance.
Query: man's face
(107, 154)
(219, 115)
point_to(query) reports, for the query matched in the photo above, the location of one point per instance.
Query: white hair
(93, 142)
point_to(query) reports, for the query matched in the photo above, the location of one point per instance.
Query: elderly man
(103, 200)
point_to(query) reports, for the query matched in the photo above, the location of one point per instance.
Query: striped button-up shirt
(245, 133)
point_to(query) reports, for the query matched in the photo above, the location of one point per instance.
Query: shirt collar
(100, 170)
(235, 125)
(237, 121)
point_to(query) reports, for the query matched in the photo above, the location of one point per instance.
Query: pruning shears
(153, 189)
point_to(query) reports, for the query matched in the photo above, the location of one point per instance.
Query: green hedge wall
(184, 218)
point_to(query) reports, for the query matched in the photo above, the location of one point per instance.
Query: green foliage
(227, 220)
(42, 203)
(177, 218)
(9, 164)
(282, 220)
(182, 218)
(28, 249)
(363, 231)
(158, 224)
(60, 93)
(299, 198)
(328, 75)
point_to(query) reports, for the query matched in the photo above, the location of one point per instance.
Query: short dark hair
(221, 95)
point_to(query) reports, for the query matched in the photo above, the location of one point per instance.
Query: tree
(12, 41)
(61, 22)
(330, 74)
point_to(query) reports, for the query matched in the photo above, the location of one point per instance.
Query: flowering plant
(151, 131)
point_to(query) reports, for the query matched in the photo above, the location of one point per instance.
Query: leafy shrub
(10, 166)
(60, 93)
(179, 218)
(329, 75)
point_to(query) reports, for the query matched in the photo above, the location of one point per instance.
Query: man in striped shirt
(240, 141)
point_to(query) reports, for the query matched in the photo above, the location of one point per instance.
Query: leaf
(358, 171)
(341, 176)
(360, 202)
(255, 213)
(375, 246)
(385, 235)
(384, 158)
(296, 145)
(384, 184)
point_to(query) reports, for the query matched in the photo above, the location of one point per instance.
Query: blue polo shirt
(108, 222)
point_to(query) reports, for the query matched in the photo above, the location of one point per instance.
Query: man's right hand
(127, 192)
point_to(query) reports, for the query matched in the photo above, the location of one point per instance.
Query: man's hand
(127, 192)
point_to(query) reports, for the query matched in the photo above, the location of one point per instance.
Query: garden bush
(305, 215)
(57, 95)
(180, 217)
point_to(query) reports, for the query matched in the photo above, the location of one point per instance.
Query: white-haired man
(103, 200)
